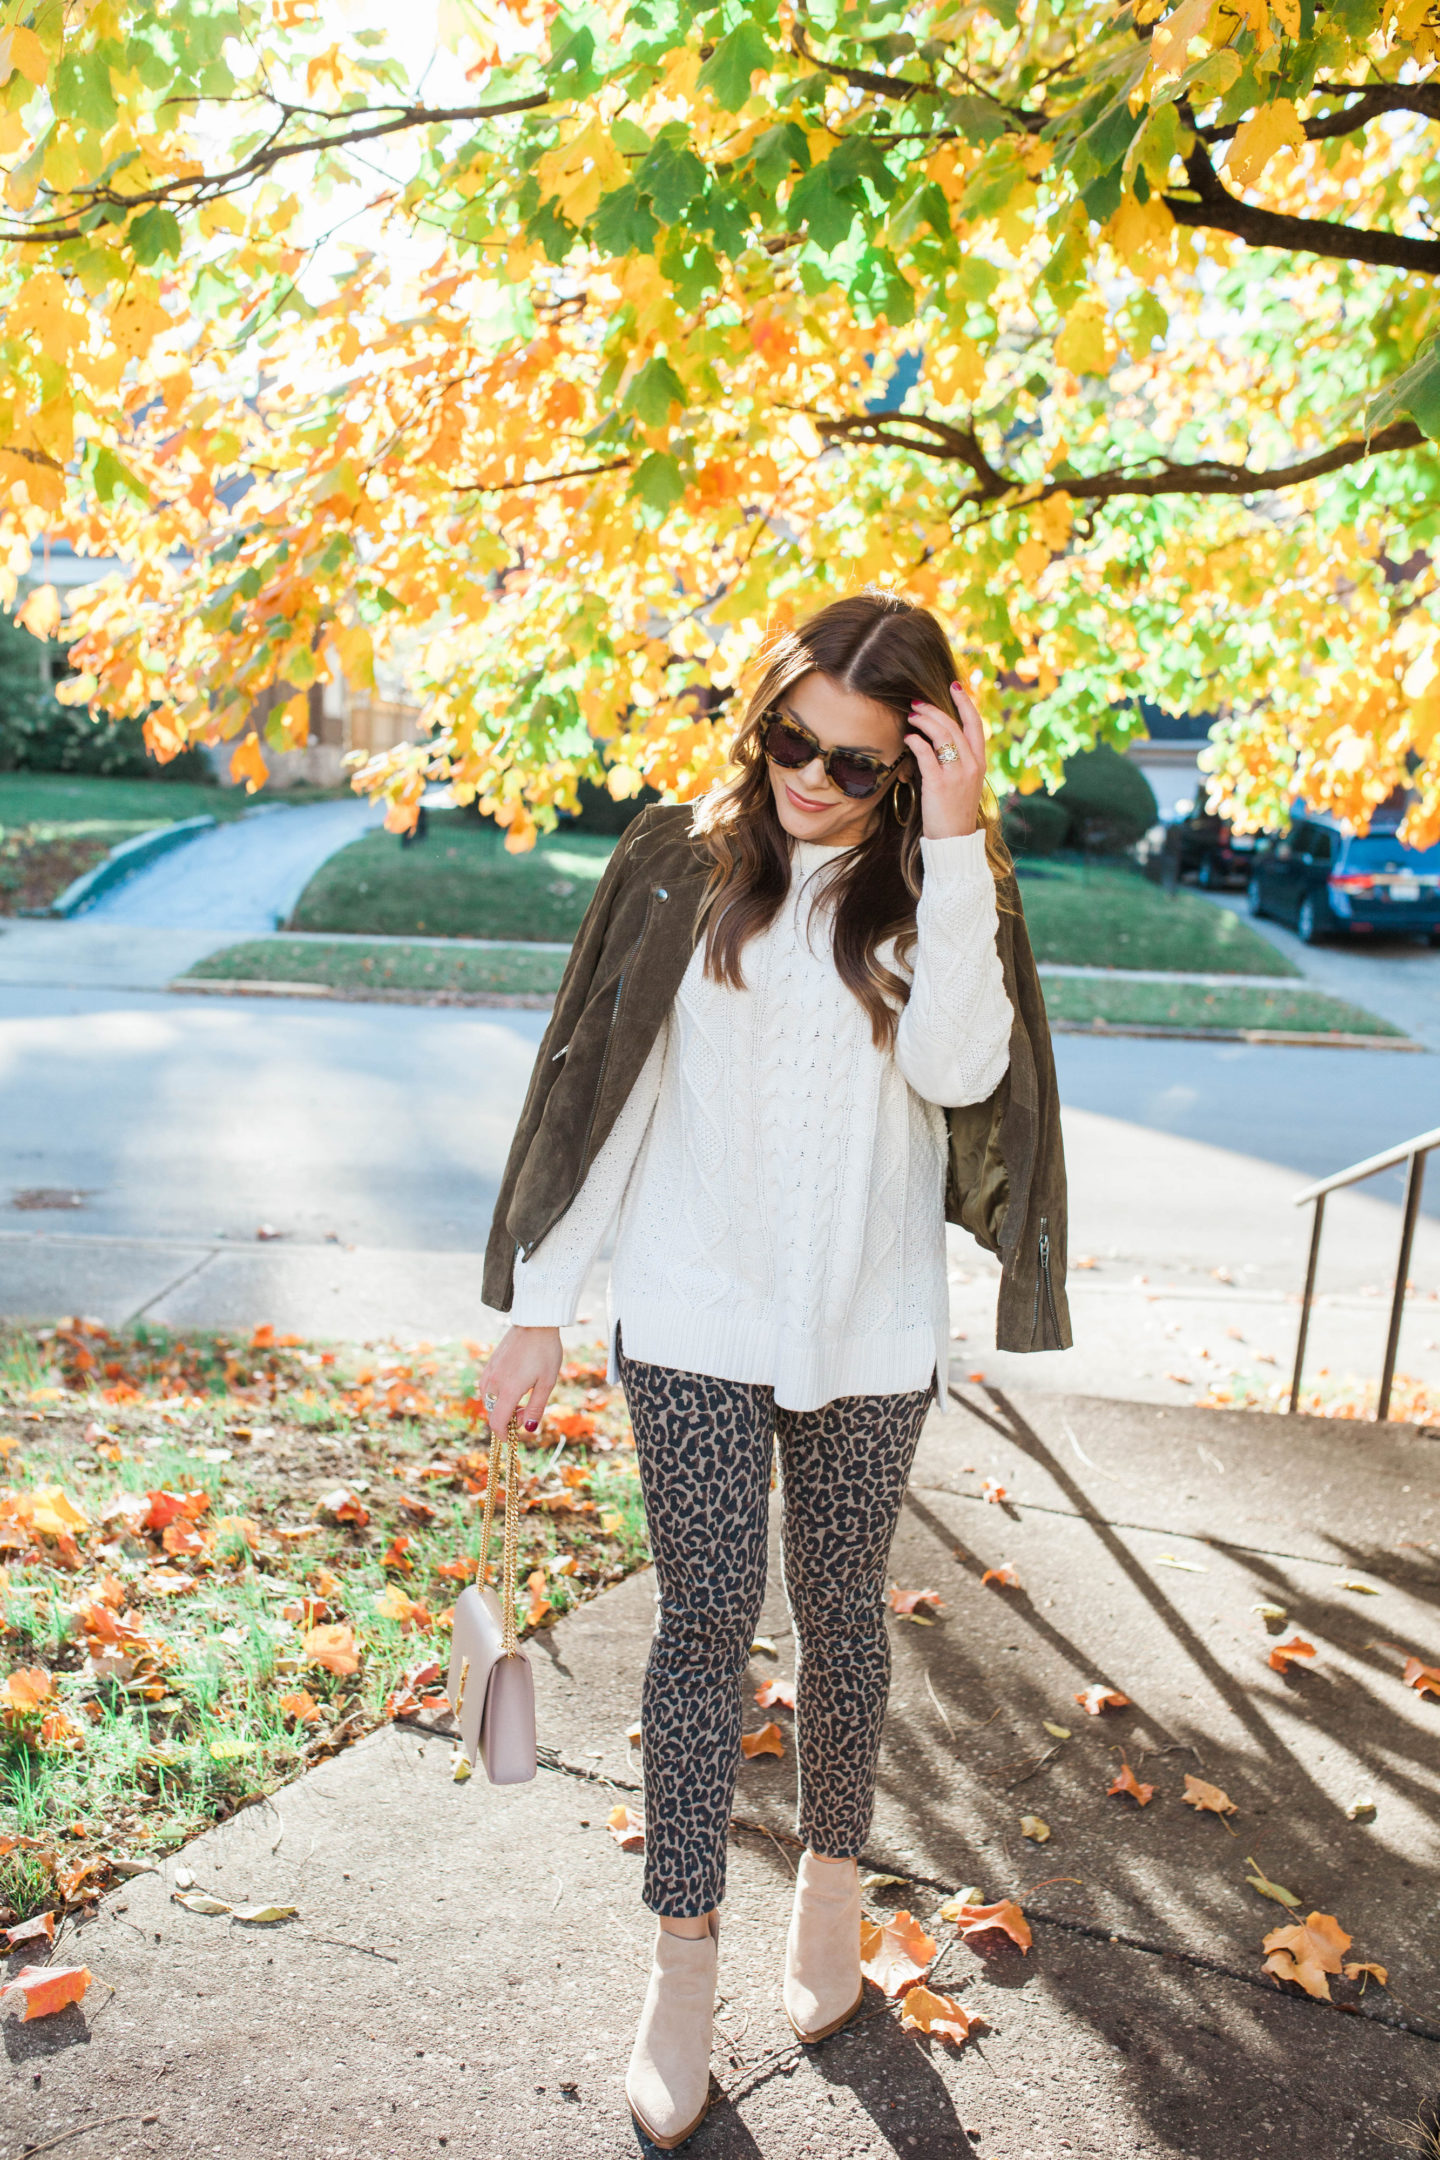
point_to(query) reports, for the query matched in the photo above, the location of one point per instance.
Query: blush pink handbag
(491, 1686)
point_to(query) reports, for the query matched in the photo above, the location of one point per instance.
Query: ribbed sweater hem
(750, 1345)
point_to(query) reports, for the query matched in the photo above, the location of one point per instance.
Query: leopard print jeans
(704, 1448)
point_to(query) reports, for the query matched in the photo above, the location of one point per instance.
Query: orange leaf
(1281, 1653)
(905, 1601)
(1425, 1679)
(44, 1989)
(1097, 1697)
(1127, 1782)
(26, 1690)
(394, 1555)
(539, 1604)
(344, 1506)
(409, 1612)
(40, 1929)
(939, 2015)
(248, 764)
(571, 1424)
(995, 1491)
(456, 1570)
(1352, 1972)
(894, 1953)
(773, 1692)
(627, 1828)
(768, 1741)
(1005, 1574)
(1208, 1799)
(1306, 1953)
(1005, 1914)
(334, 1648)
(301, 1706)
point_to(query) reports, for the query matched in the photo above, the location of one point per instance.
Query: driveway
(243, 878)
(1395, 977)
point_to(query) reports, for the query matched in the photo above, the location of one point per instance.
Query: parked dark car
(1203, 847)
(1330, 883)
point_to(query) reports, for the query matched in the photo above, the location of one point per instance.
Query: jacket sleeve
(549, 1283)
(953, 1040)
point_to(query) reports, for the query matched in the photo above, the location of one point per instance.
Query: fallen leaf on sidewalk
(1005, 1574)
(1277, 1891)
(1353, 1582)
(1208, 1799)
(1306, 1953)
(1360, 1807)
(768, 1741)
(1056, 1732)
(883, 1882)
(626, 1827)
(1425, 1679)
(1127, 1782)
(1004, 1914)
(954, 1906)
(263, 1915)
(895, 1952)
(1098, 1697)
(994, 1490)
(938, 2015)
(40, 1929)
(200, 1901)
(334, 1648)
(777, 1691)
(1375, 1972)
(1282, 1653)
(1187, 1567)
(904, 1602)
(44, 1989)
(1269, 1612)
(1035, 1828)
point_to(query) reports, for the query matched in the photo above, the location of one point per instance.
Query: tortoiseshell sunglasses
(856, 773)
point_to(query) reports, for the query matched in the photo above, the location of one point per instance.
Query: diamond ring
(489, 1401)
(947, 753)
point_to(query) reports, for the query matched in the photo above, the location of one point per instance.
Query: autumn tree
(563, 363)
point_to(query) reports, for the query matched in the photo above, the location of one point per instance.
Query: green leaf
(623, 225)
(774, 153)
(671, 176)
(654, 390)
(825, 211)
(726, 74)
(1416, 392)
(979, 119)
(109, 477)
(153, 235)
(658, 481)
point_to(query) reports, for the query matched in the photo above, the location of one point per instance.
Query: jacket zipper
(1044, 1276)
(526, 1250)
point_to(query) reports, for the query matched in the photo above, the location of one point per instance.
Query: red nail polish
(532, 1424)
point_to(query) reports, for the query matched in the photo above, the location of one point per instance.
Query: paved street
(370, 1138)
(1395, 977)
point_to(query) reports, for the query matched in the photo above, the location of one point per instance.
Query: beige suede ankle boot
(823, 1987)
(668, 2082)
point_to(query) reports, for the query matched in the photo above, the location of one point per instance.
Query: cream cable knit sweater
(779, 1181)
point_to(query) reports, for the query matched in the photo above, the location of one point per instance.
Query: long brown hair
(876, 645)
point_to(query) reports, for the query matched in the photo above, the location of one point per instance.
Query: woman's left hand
(950, 755)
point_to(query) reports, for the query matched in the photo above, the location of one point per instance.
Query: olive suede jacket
(1006, 1176)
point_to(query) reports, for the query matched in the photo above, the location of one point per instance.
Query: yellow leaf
(1140, 234)
(1170, 45)
(1031, 557)
(1052, 520)
(957, 370)
(41, 613)
(42, 311)
(1035, 1828)
(22, 53)
(581, 171)
(1084, 342)
(1274, 127)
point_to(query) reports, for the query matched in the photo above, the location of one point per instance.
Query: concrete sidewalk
(468, 1962)
(242, 878)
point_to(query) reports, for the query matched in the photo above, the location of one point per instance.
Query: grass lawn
(457, 882)
(1085, 999)
(28, 798)
(1106, 915)
(222, 1560)
(364, 969)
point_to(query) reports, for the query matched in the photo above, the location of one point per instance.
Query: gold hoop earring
(902, 816)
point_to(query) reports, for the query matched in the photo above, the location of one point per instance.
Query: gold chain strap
(510, 1641)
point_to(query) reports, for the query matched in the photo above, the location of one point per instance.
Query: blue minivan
(1326, 881)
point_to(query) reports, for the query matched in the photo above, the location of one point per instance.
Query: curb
(200, 986)
(1295, 1037)
(123, 861)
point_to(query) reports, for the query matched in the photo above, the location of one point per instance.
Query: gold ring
(947, 754)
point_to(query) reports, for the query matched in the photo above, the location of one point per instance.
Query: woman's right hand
(521, 1370)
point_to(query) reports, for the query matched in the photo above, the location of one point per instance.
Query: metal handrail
(1414, 1153)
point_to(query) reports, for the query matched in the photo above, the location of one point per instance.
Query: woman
(795, 1034)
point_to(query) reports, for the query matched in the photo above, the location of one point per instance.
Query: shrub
(39, 734)
(1109, 802)
(1034, 824)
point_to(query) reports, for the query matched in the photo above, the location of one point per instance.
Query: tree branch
(1211, 205)
(1374, 99)
(504, 487)
(187, 191)
(1211, 476)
